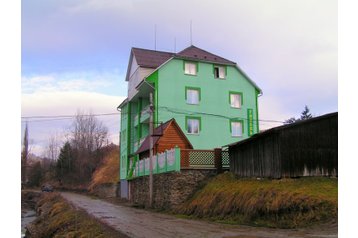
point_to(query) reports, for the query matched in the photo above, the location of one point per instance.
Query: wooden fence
(306, 148)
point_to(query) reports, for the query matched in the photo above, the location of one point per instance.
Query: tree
(87, 137)
(65, 161)
(53, 147)
(24, 155)
(35, 174)
(305, 114)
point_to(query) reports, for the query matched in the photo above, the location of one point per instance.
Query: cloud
(57, 103)
(67, 102)
(71, 81)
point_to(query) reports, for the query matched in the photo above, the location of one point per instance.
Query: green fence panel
(161, 163)
(171, 165)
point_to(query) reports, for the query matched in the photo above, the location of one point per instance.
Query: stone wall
(169, 189)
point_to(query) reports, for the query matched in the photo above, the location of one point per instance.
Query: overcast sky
(75, 53)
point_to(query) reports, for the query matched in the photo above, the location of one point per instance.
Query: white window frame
(192, 96)
(190, 68)
(194, 124)
(232, 100)
(235, 130)
(219, 72)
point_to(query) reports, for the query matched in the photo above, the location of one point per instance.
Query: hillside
(285, 203)
(108, 172)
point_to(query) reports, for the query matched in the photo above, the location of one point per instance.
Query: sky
(74, 53)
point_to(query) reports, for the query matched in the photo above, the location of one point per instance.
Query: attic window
(190, 68)
(219, 72)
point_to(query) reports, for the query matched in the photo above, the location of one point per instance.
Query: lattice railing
(197, 158)
(225, 159)
(202, 159)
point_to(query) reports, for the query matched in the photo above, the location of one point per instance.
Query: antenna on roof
(155, 37)
(191, 33)
(175, 44)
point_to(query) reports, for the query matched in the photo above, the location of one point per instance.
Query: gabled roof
(160, 130)
(147, 58)
(195, 53)
(150, 58)
(154, 59)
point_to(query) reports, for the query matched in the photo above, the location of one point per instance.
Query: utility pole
(150, 149)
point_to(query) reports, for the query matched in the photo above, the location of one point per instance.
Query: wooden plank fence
(306, 148)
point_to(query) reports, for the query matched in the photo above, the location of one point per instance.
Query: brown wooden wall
(171, 138)
(303, 149)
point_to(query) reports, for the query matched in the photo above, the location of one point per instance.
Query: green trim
(186, 123)
(250, 122)
(242, 126)
(192, 88)
(153, 78)
(257, 110)
(139, 109)
(129, 110)
(242, 98)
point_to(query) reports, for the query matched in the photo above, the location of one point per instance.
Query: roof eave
(250, 80)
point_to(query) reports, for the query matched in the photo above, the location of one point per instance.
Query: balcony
(135, 120)
(144, 115)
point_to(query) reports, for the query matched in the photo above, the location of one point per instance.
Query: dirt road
(140, 223)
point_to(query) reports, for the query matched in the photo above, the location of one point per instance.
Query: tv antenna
(155, 37)
(191, 33)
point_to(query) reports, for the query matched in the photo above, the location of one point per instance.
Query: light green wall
(124, 142)
(170, 83)
(215, 131)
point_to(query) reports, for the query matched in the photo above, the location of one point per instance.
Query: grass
(108, 172)
(59, 219)
(285, 203)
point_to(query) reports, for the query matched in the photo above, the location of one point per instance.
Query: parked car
(46, 188)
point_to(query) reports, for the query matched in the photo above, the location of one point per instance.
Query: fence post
(177, 158)
(218, 160)
(166, 161)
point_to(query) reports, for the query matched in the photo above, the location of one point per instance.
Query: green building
(213, 101)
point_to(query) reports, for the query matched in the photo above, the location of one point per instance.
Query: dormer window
(190, 68)
(219, 72)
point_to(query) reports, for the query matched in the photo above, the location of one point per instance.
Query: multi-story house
(211, 99)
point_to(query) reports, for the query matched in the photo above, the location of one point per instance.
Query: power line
(71, 116)
(172, 110)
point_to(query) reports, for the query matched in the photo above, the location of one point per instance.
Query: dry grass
(108, 172)
(59, 219)
(285, 203)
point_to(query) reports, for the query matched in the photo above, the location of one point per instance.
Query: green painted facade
(213, 111)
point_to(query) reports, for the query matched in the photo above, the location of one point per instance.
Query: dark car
(46, 188)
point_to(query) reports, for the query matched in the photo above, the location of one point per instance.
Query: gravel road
(141, 223)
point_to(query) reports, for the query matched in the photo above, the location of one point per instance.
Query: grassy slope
(59, 219)
(108, 172)
(285, 203)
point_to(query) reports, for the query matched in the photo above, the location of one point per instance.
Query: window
(235, 99)
(236, 128)
(190, 68)
(192, 95)
(219, 72)
(193, 125)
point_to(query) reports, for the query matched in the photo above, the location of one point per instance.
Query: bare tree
(24, 154)
(53, 147)
(88, 135)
